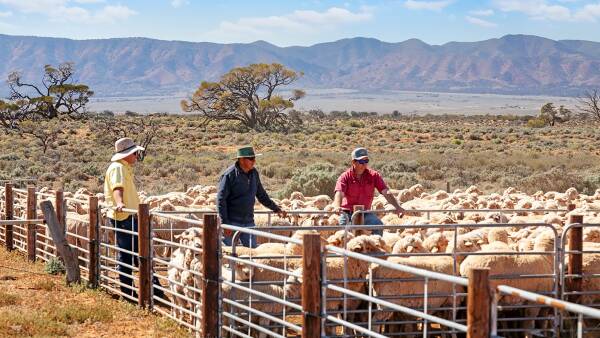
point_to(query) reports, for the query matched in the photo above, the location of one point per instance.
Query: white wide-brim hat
(125, 147)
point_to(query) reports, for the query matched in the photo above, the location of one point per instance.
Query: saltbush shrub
(316, 179)
(54, 266)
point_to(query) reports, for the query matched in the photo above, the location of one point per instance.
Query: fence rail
(208, 285)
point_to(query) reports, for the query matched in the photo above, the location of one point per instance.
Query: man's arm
(118, 197)
(337, 200)
(263, 197)
(383, 189)
(392, 200)
(222, 195)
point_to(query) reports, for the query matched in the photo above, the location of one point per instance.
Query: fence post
(448, 187)
(311, 286)
(31, 228)
(359, 220)
(9, 204)
(145, 274)
(93, 242)
(478, 304)
(575, 259)
(59, 201)
(210, 282)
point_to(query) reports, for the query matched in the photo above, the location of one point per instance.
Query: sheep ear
(480, 242)
(468, 243)
(178, 236)
(410, 249)
(435, 249)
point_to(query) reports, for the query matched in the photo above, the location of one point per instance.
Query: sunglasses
(365, 161)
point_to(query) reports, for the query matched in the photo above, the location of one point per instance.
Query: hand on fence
(400, 212)
(119, 207)
(282, 214)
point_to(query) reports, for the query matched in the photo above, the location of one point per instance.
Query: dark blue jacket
(237, 193)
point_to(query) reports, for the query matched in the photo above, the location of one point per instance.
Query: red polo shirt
(359, 191)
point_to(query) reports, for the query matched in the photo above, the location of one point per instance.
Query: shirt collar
(239, 169)
(125, 163)
(367, 172)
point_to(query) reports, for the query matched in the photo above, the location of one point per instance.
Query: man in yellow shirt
(120, 193)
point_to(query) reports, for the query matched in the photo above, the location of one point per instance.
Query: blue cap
(359, 154)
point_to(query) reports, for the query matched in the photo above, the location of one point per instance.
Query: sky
(304, 23)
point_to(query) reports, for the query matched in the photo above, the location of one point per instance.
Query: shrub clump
(54, 266)
(316, 179)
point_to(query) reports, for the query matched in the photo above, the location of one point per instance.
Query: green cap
(246, 151)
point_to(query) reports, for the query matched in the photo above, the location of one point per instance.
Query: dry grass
(493, 152)
(36, 304)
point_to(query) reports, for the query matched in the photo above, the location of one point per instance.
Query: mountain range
(512, 64)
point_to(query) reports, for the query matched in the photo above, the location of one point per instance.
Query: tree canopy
(551, 115)
(248, 95)
(57, 96)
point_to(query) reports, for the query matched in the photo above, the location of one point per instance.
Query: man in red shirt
(356, 186)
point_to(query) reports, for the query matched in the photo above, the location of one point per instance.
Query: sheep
(409, 244)
(339, 269)
(403, 289)
(339, 238)
(436, 242)
(319, 202)
(174, 269)
(571, 194)
(518, 265)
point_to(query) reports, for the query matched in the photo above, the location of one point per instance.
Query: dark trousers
(128, 242)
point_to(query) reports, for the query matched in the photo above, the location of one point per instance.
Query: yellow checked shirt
(120, 175)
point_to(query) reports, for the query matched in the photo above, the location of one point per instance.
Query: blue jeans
(370, 219)
(128, 242)
(247, 240)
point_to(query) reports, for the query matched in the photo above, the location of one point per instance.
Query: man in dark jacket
(239, 186)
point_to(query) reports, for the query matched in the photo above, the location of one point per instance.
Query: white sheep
(500, 265)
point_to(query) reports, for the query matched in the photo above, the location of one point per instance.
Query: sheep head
(366, 244)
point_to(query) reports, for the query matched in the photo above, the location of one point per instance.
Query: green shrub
(54, 266)
(356, 124)
(316, 179)
(536, 123)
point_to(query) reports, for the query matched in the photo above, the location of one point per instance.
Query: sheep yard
(486, 192)
(413, 280)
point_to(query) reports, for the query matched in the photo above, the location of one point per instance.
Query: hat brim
(360, 158)
(123, 154)
(255, 155)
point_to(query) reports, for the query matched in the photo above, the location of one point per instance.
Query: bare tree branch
(590, 103)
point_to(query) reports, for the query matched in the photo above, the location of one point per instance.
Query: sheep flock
(512, 233)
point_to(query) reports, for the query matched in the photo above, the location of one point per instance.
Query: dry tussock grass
(490, 151)
(33, 303)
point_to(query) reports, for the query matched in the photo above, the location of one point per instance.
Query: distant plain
(382, 102)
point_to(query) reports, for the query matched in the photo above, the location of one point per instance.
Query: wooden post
(210, 282)
(68, 254)
(9, 204)
(478, 304)
(93, 242)
(59, 201)
(448, 187)
(311, 286)
(575, 259)
(360, 219)
(31, 228)
(145, 275)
